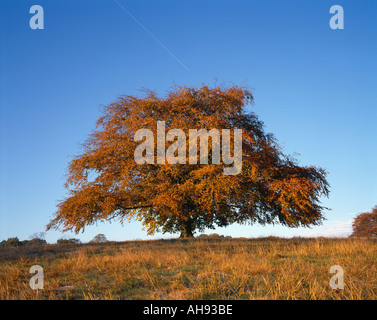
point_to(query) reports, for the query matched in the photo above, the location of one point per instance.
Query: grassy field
(261, 268)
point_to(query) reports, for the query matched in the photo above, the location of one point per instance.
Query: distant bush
(201, 236)
(34, 242)
(15, 242)
(213, 236)
(68, 241)
(11, 242)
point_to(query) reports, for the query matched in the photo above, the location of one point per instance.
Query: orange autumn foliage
(105, 182)
(365, 224)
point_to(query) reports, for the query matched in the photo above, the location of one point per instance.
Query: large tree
(106, 183)
(365, 224)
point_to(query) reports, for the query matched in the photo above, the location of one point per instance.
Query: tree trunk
(186, 229)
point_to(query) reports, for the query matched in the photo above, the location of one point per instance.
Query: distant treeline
(99, 238)
(15, 242)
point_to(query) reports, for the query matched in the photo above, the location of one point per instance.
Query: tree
(106, 183)
(37, 239)
(365, 224)
(38, 235)
(99, 238)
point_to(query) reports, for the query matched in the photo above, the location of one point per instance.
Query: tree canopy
(99, 238)
(105, 182)
(365, 224)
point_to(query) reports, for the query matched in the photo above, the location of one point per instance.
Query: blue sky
(314, 87)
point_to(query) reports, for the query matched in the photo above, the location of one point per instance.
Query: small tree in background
(365, 224)
(99, 238)
(37, 238)
(38, 235)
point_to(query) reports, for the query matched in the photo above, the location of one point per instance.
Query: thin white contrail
(152, 35)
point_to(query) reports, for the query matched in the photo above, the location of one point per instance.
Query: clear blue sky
(315, 89)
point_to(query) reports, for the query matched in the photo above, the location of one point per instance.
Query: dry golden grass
(266, 268)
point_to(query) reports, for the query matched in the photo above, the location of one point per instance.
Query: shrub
(12, 242)
(68, 241)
